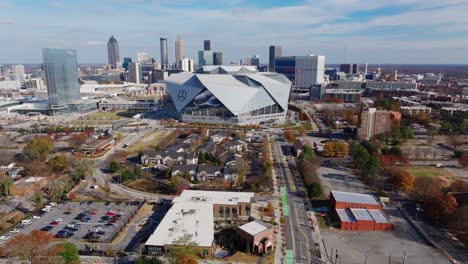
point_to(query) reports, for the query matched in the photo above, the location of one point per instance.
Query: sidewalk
(279, 255)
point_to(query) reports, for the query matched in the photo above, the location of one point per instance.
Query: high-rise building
(275, 51)
(187, 65)
(18, 73)
(179, 51)
(113, 52)
(303, 71)
(205, 57)
(375, 122)
(217, 58)
(246, 61)
(126, 61)
(61, 69)
(143, 57)
(164, 55)
(2, 69)
(134, 72)
(255, 61)
(349, 68)
(207, 45)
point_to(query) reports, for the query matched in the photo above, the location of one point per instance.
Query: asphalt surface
(298, 230)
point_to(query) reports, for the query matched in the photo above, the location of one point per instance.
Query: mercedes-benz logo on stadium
(181, 95)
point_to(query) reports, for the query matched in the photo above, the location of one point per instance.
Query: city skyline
(344, 32)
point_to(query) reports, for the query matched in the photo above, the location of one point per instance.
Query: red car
(93, 213)
(110, 214)
(54, 223)
(112, 221)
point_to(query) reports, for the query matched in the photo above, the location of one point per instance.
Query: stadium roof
(239, 93)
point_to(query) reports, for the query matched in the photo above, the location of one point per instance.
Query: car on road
(47, 228)
(16, 230)
(36, 217)
(4, 238)
(54, 223)
(58, 220)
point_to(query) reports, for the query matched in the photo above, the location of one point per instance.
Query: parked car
(47, 228)
(54, 223)
(59, 219)
(16, 230)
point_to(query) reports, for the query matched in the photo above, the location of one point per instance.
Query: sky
(345, 31)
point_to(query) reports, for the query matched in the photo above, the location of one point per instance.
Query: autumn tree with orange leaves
(37, 247)
(404, 181)
(289, 135)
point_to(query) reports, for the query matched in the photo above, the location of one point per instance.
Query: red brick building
(258, 235)
(359, 212)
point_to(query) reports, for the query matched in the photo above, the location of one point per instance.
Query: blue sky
(373, 31)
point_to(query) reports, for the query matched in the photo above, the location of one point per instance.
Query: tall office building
(134, 72)
(375, 122)
(255, 61)
(126, 61)
(303, 71)
(63, 84)
(205, 57)
(18, 73)
(179, 51)
(143, 57)
(187, 65)
(349, 68)
(113, 52)
(275, 51)
(164, 55)
(246, 61)
(207, 45)
(217, 58)
(2, 69)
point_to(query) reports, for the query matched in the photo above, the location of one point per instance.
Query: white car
(47, 209)
(16, 230)
(58, 220)
(53, 204)
(36, 217)
(4, 238)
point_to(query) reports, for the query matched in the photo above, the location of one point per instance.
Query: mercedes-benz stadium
(236, 95)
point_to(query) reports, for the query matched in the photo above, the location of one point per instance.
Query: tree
(69, 253)
(183, 247)
(371, 169)
(302, 131)
(307, 153)
(58, 163)
(289, 135)
(35, 247)
(148, 260)
(315, 190)
(439, 205)
(114, 167)
(81, 169)
(6, 185)
(464, 161)
(39, 148)
(77, 140)
(404, 181)
(271, 209)
(406, 132)
(396, 133)
(202, 157)
(38, 200)
(459, 186)
(38, 168)
(126, 175)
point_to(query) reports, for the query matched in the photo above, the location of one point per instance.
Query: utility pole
(390, 258)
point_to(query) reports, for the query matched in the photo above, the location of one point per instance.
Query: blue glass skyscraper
(61, 68)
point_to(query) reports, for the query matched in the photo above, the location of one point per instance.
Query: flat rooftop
(193, 219)
(358, 198)
(358, 214)
(255, 227)
(211, 197)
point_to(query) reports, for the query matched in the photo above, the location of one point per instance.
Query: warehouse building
(360, 212)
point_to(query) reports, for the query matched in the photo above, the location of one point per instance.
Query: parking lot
(99, 221)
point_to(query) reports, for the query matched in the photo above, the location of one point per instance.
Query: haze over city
(414, 31)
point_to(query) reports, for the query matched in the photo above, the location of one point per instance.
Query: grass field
(103, 115)
(151, 139)
(428, 171)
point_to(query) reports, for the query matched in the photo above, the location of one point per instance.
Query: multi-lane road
(299, 240)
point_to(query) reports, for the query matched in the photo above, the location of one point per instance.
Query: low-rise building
(415, 110)
(27, 186)
(235, 145)
(258, 235)
(98, 146)
(357, 211)
(208, 173)
(193, 215)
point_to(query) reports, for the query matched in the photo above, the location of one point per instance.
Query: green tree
(307, 153)
(247, 247)
(126, 175)
(38, 199)
(396, 134)
(69, 253)
(315, 190)
(39, 147)
(136, 172)
(58, 163)
(6, 185)
(182, 247)
(361, 157)
(82, 168)
(148, 260)
(371, 169)
(406, 132)
(114, 166)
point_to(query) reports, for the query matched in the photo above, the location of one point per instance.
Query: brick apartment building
(375, 122)
(258, 235)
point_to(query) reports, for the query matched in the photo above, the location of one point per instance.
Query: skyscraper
(375, 122)
(205, 57)
(179, 51)
(275, 51)
(164, 55)
(18, 73)
(143, 57)
(303, 71)
(187, 65)
(134, 72)
(207, 45)
(113, 52)
(126, 61)
(217, 58)
(255, 61)
(349, 68)
(61, 69)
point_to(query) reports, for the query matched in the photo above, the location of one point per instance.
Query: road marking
(305, 235)
(289, 257)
